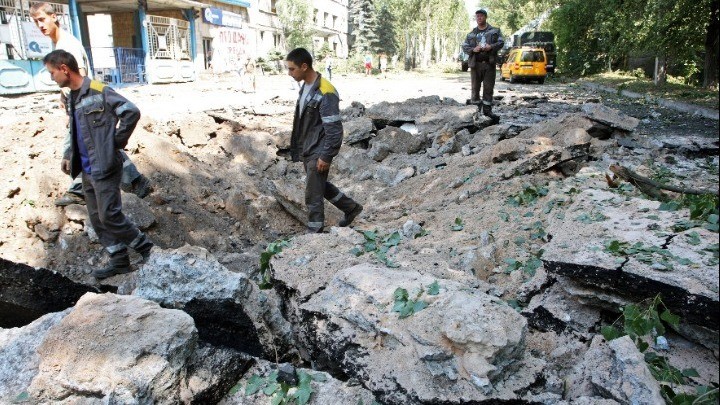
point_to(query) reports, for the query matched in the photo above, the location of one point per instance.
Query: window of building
(276, 40)
(334, 26)
(315, 16)
(325, 19)
(273, 6)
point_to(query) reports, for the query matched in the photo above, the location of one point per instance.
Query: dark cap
(481, 11)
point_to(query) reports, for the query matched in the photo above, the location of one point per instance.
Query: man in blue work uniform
(316, 139)
(101, 122)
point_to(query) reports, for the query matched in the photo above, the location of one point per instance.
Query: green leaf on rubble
(265, 262)
(690, 372)
(369, 235)
(672, 319)
(393, 239)
(319, 377)
(419, 305)
(255, 382)
(610, 333)
(434, 288)
(304, 388)
(693, 238)
(271, 388)
(458, 224)
(400, 294)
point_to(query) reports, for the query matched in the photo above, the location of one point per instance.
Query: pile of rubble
(482, 270)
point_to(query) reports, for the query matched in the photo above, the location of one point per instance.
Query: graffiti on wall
(232, 47)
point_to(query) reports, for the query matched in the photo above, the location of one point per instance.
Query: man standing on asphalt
(101, 122)
(316, 138)
(482, 45)
(46, 20)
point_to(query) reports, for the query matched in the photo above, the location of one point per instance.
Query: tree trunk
(427, 44)
(660, 75)
(710, 74)
(408, 50)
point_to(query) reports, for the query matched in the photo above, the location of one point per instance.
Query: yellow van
(525, 64)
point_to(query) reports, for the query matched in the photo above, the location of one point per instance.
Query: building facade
(233, 31)
(158, 41)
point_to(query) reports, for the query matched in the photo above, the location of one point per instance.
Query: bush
(638, 73)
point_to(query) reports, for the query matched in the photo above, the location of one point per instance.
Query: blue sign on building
(216, 16)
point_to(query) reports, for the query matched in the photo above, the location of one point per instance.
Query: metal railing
(118, 65)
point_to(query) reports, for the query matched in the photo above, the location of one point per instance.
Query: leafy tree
(596, 36)
(323, 52)
(385, 33)
(295, 20)
(362, 26)
(428, 30)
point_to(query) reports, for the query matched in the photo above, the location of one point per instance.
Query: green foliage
(379, 245)
(265, 262)
(323, 52)
(434, 288)
(655, 255)
(528, 196)
(406, 306)
(641, 322)
(22, 397)
(537, 231)
(528, 267)
(296, 22)
(592, 216)
(703, 209)
(386, 33)
(278, 391)
(427, 31)
(362, 27)
(458, 225)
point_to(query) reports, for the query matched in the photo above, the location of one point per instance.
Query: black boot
(350, 216)
(487, 111)
(119, 264)
(143, 245)
(141, 186)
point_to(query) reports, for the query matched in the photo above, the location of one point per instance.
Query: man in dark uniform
(316, 139)
(101, 122)
(482, 45)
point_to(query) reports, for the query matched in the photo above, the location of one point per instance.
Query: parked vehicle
(525, 63)
(540, 39)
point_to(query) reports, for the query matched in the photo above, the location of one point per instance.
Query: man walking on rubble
(101, 122)
(316, 138)
(482, 45)
(45, 18)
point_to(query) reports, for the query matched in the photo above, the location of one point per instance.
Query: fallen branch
(653, 188)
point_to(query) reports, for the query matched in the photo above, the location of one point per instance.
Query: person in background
(329, 66)
(250, 73)
(316, 139)
(368, 64)
(383, 64)
(101, 122)
(45, 18)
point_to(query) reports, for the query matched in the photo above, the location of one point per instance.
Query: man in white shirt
(45, 18)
